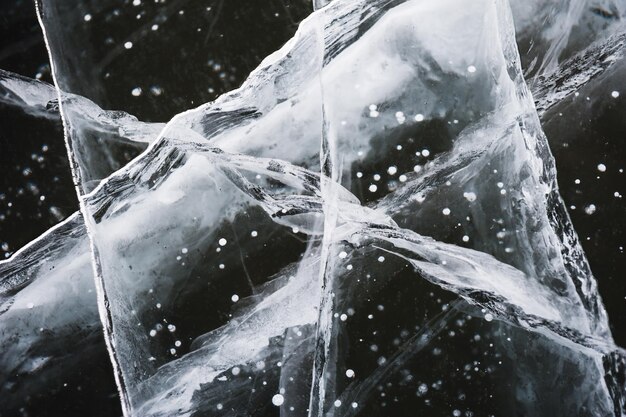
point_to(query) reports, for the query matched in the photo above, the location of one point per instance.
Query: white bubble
(601, 167)
(590, 209)
(234, 298)
(87, 17)
(153, 333)
(488, 317)
(446, 211)
(184, 250)
(343, 254)
(222, 242)
(471, 68)
(136, 92)
(402, 178)
(373, 188)
(156, 90)
(392, 170)
(343, 317)
(350, 373)
(254, 233)
(355, 405)
(381, 259)
(128, 45)
(419, 117)
(425, 152)
(278, 400)
(235, 371)
(337, 403)
(615, 94)
(465, 238)
(470, 196)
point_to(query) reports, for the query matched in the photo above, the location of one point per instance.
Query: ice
(32, 96)
(552, 88)
(275, 248)
(550, 32)
(49, 324)
(50, 331)
(108, 139)
(54, 273)
(501, 125)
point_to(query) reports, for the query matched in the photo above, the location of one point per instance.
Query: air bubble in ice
(278, 400)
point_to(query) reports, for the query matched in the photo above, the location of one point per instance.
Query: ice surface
(552, 88)
(108, 139)
(47, 304)
(50, 332)
(275, 247)
(551, 31)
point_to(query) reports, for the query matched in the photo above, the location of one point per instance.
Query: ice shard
(587, 126)
(332, 236)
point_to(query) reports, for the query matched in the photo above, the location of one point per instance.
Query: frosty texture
(315, 239)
